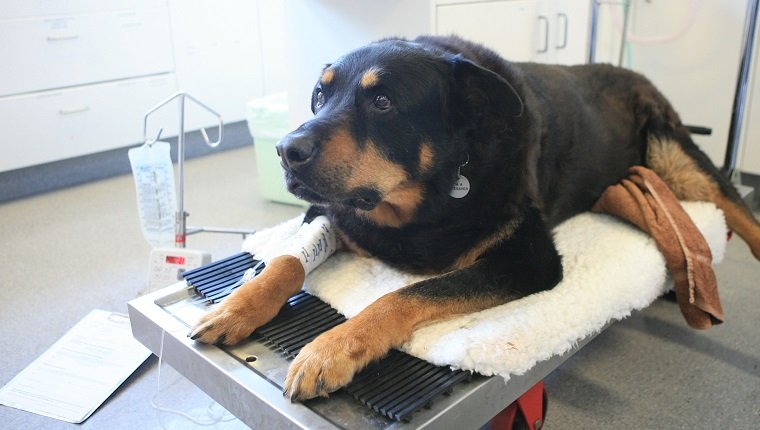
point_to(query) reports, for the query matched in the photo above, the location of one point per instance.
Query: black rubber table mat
(395, 386)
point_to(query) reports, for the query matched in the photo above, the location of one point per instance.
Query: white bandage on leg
(313, 243)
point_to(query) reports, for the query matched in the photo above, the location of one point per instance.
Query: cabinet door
(562, 32)
(570, 30)
(508, 26)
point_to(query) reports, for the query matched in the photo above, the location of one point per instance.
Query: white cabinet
(563, 31)
(37, 8)
(508, 26)
(58, 124)
(77, 76)
(520, 30)
(66, 50)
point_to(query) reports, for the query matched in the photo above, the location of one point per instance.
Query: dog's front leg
(522, 266)
(257, 301)
(333, 358)
(252, 305)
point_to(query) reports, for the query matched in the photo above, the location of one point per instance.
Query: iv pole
(180, 226)
(742, 88)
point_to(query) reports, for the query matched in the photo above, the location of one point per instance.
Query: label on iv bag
(313, 243)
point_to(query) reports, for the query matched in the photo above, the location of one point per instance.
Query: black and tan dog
(395, 124)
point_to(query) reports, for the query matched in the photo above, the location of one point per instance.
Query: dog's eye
(382, 102)
(320, 99)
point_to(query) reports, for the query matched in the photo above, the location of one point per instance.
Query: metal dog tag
(461, 188)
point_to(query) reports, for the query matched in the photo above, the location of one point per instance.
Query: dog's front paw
(228, 324)
(324, 365)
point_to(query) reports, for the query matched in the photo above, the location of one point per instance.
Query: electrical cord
(213, 416)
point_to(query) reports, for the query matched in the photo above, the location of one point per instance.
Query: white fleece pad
(610, 269)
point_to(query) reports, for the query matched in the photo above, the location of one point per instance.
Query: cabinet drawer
(25, 8)
(56, 52)
(54, 125)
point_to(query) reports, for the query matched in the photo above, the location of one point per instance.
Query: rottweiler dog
(437, 156)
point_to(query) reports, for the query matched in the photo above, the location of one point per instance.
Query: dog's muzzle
(298, 152)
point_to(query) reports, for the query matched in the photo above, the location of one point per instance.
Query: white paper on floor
(80, 371)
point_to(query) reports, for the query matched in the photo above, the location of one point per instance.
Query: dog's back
(594, 122)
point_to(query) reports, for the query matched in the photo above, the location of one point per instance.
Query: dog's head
(388, 119)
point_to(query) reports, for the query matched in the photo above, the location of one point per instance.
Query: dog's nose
(296, 151)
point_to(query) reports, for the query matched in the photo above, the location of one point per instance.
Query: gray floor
(71, 251)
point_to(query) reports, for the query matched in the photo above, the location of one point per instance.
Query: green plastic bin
(268, 122)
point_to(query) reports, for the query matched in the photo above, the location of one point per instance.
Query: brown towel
(646, 201)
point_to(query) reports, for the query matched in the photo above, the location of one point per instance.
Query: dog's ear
(481, 90)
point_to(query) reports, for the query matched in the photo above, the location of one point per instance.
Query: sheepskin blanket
(610, 269)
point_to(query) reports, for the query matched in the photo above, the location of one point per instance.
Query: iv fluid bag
(154, 182)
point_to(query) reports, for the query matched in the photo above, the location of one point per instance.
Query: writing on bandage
(313, 243)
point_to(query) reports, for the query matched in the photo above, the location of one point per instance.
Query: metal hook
(459, 169)
(158, 137)
(204, 134)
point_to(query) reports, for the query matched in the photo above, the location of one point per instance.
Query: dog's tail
(671, 153)
(689, 172)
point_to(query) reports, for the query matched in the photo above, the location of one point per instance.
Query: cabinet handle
(62, 37)
(73, 110)
(546, 34)
(563, 16)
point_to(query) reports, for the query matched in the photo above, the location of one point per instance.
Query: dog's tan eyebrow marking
(327, 76)
(426, 158)
(371, 77)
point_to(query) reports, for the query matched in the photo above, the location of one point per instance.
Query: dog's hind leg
(693, 177)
